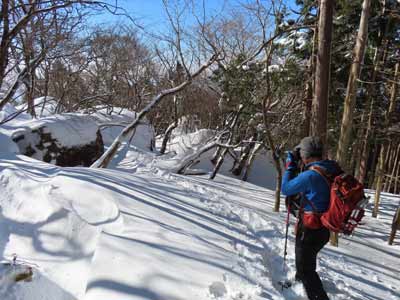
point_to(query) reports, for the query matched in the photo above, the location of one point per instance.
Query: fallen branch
(105, 159)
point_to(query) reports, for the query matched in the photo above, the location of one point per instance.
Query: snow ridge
(45, 218)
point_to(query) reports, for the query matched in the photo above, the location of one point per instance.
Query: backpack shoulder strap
(329, 178)
(313, 208)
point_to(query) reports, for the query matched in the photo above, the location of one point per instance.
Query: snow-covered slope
(69, 130)
(45, 106)
(46, 221)
(112, 234)
(139, 231)
(144, 133)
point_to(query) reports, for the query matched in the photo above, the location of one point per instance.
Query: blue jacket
(311, 184)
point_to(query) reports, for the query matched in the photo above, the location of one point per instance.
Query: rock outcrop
(64, 140)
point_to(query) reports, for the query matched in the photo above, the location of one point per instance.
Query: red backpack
(347, 202)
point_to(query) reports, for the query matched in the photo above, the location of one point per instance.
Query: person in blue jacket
(314, 190)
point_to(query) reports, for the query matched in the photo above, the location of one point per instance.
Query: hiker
(314, 189)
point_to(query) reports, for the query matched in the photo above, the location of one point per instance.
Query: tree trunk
(244, 157)
(369, 132)
(378, 57)
(388, 164)
(250, 161)
(373, 167)
(219, 163)
(45, 87)
(170, 128)
(350, 100)
(322, 73)
(4, 40)
(397, 180)
(389, 112)
(29, 93)
(310, 88)
(395, 225)
(307, 108)
(390, 155)
(366, 144)
(389, 181)
(189, 160)
(393, 94)
(379, 180)
(278, 171)
(167, 136)
(220, 160)
(217, 152)
(355, 155)
(388, 117)
(320, 101)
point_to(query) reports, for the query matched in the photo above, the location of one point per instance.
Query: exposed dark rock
(40, 144)
(84, 155)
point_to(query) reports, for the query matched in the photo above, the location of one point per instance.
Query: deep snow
(139, 231)
(111, 234)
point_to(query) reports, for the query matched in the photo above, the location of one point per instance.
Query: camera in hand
(296, 154)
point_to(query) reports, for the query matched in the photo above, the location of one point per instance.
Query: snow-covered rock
(116, 120)
(70, 139)
(64, 140)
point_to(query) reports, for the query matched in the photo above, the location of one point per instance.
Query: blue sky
(151, 12)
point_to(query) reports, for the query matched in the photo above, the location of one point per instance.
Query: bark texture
(350, 100)
(320, 101)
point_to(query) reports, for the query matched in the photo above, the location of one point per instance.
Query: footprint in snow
(217, 289)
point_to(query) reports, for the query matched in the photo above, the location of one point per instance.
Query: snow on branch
(189, 160)
(267, 42)
(105, 159)
(21, 76)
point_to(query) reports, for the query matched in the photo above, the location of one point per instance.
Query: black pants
(308, 243)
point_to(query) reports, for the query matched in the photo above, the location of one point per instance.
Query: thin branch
(270, 40)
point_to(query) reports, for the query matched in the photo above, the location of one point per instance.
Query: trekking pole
(286, 235)
(285, 283)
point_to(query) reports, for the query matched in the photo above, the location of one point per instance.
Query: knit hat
(310, 146)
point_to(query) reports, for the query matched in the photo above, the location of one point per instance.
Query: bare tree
(105, 159)
(349, 102)
(371, 102)
(320, 102)
(231, 127)
(14, 19)
(385, 145)
(176, 80)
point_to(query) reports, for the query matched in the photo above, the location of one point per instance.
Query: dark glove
(291, 161)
